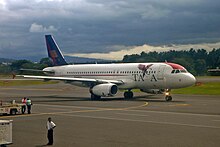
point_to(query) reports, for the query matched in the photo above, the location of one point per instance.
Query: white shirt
(50, 125)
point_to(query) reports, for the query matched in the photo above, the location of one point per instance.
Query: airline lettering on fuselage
(141, 77)
(153, 78)
(144, 68)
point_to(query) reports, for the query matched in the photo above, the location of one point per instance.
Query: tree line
(195, 61)
(16, 66)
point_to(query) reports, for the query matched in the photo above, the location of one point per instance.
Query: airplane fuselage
(105, 79)
(156, 76)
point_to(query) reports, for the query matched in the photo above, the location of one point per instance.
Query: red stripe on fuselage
(175, 66)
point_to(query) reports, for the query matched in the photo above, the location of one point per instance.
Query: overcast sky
(103, 27)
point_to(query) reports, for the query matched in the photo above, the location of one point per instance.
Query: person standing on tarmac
(23, 108)
(28, 103)
(50, 126)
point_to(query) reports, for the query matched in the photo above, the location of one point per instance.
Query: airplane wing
(36, 70)
(69, 79)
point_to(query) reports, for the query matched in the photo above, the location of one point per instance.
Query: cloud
(2, 4)
(154, 13)
(104, 26)
(36, 28)
(118, 55)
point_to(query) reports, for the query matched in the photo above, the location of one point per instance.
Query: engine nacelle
(153, 91)
(105, 89)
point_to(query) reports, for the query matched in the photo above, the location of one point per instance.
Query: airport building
(214, 72)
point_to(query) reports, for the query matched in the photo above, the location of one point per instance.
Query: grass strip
(6, 83)
(209, 88)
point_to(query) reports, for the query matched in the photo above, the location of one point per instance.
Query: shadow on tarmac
(41, 145)
(144, 98)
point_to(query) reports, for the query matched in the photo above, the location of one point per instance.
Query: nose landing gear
(168, 97)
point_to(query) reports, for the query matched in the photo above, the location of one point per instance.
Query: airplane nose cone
(191, 80)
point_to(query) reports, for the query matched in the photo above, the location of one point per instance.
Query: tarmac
(146, 121)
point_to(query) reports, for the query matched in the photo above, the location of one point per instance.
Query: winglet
(54, 52)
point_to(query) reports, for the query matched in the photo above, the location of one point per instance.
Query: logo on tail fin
(54, 52)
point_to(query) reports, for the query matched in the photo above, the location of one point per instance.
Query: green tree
(46, 61)
(16, 65)
(200, 67)
(5, 69)
(213, 59)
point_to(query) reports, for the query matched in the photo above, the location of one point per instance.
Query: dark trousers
(23, 109)
(50, 136)
(29, 109)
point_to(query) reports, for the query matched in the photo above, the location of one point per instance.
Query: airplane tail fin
(54, 52)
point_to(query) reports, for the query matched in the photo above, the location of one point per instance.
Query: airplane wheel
(128, 94)
(131, 94)
(95, 97)
(168, 98)
(13, 112)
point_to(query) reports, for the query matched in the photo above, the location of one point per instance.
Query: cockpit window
(183, 71)
(177, 71)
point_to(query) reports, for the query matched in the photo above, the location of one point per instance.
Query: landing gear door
(160, 72)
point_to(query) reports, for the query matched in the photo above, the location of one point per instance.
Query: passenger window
(177, 71)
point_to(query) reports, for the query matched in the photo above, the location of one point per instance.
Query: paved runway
(145, 121)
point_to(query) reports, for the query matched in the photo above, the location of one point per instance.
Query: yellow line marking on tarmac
(133, 107)
(180, 105)
(78, 111)
(58, 109)
(132, 114)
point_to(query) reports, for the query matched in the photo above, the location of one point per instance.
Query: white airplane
(104, 80)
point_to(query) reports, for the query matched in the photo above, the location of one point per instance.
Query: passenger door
(160, 72)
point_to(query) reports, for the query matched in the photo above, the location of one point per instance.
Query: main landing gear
(95, 97)
(128, 94)
(168, 97)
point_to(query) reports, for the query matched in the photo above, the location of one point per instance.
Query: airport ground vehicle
(5, 132)
(10, 108)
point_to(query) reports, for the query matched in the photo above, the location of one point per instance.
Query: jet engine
(105, 89)
(153, 91)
